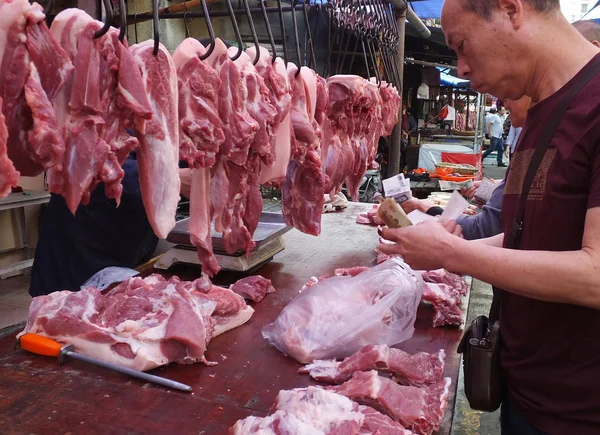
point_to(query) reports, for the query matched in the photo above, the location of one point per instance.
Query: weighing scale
(267, 237)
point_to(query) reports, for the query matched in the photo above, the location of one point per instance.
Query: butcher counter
(39, 396)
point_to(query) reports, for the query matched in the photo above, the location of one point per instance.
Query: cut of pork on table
(104, 96)
(444, 290)
(314, 410)
(418, 409)
(254, 288)
(142, 323)
(34, 69)
(418, 369)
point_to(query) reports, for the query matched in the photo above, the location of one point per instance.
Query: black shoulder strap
(514, 236)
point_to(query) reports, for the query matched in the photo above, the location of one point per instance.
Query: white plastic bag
(108, 276)
(338, 316)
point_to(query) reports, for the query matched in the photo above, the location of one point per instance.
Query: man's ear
(596, 43)
(513, 9)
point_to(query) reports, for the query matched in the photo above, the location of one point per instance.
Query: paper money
(454, 185)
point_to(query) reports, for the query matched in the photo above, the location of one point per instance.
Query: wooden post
(396, 143)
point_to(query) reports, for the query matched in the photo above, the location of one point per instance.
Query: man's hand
(424, 246)
(471, 191)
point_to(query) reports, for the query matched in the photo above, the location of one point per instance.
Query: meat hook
(211, 31)
(155, 26)
(123, 16)
(108, 22)
(185, 23)
(295, 25)
(135, 27)
(49, 7)
(282, 30)
(312, 63)
(252, 31)
(236, 29)
(269, 31)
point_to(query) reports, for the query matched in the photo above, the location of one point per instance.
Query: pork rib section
(200, 220)
(304, 186)
(418, 369)
(199, 83)
(101, 99)
(231, 309)
(34, 142)
(278, 423)
(140, 324)
(418, 409)
(159, 147)
(446, 302)
(314, 410)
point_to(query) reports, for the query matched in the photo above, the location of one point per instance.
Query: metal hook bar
(236, 29)
(123, 16)
(362, 41)
(318, 8)
(135, 27)
(282, 30)
(269, 31)
(252, 31)
(353, 53)
(155, 26)
(312, 63)
(329, 46)
(341, 67)
(211, 31)
(109, 18)
(295, 25)
(374, 61)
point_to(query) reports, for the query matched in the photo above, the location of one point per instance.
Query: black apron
(73, 248)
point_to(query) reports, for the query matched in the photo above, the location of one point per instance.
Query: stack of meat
(363, 402)
(145, 323)
(77, 103)
(443, 290)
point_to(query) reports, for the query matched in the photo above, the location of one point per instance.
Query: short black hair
(484, 8)
(493, 110)
(590, 29)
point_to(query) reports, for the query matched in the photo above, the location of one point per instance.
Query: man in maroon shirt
(550, 314)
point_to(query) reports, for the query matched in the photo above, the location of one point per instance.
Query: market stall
(39, 395)
(239, 115)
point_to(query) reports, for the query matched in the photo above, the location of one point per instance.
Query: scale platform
(267, 237)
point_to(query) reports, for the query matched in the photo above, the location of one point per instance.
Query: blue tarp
(428, 8)
(433, 8)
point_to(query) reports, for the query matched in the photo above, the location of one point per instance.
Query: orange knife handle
(40, 345)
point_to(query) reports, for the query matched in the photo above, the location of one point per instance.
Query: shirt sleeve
(594, 197)
(488, 223)
(511, 137)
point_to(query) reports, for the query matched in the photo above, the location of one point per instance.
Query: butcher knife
(40, 345)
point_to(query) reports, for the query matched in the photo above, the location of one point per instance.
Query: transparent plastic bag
(338, 316)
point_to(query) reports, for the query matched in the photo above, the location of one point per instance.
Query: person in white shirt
(495, 128)
(487, 120)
